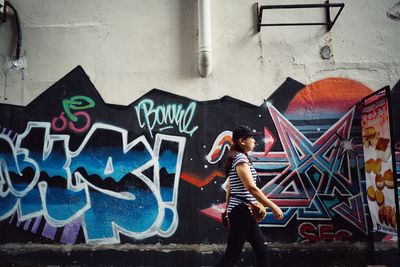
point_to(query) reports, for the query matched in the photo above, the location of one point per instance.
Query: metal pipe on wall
(204, 18)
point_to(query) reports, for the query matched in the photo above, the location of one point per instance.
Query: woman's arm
(243, 169)
(228, 190)
(227, 196)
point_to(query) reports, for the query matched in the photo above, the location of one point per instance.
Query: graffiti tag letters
(166, 116)
(322, 232)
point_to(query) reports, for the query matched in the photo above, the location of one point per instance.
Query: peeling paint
(394, 12)
(15, 64)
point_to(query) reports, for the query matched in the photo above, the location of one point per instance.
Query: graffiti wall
(74, 169)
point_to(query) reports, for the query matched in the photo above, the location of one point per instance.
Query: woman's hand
(278, 214)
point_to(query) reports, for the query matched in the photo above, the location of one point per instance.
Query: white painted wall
(128, 47)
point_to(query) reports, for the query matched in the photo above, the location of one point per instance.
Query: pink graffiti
(322, 232)
(60, 123)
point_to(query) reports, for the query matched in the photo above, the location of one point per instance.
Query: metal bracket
(329, 23)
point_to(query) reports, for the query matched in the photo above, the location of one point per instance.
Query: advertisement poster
(378, 162)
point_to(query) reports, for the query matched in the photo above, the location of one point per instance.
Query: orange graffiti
(337, 94)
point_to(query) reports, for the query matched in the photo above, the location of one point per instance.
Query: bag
(258, 211)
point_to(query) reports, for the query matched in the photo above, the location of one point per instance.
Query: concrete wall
(134, 46)
(95, 156)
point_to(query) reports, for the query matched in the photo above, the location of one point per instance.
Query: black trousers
(243, 228)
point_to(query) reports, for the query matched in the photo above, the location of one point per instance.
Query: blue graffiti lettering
(28, 170)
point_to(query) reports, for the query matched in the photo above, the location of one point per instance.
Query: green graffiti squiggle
(78, 102)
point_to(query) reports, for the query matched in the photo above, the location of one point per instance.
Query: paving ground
(321, 255)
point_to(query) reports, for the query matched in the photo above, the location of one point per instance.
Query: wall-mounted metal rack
(329, 23)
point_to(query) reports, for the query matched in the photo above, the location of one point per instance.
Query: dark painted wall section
(74, 169)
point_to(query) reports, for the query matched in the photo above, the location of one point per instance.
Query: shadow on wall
(188, 39)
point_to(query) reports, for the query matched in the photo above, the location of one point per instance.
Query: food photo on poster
(378, 160)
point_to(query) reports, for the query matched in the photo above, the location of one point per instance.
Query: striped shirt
(235, 183)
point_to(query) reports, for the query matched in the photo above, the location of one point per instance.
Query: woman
(241, 189)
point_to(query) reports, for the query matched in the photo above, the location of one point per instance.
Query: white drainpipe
(204, 18)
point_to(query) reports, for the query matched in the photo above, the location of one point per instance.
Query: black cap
(242, 132)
